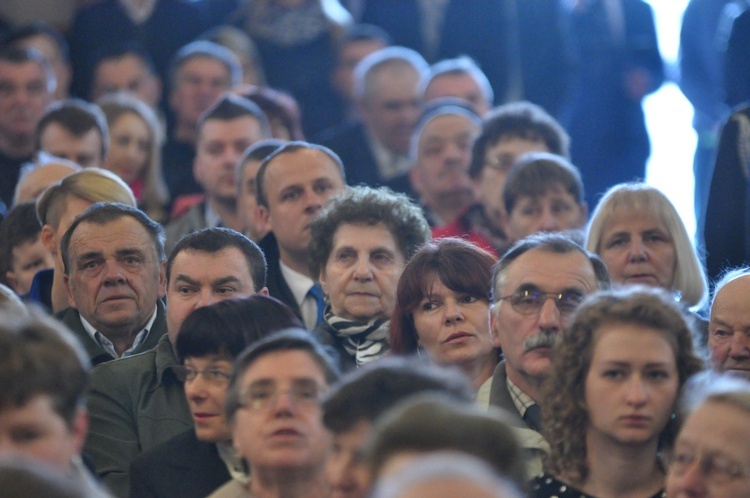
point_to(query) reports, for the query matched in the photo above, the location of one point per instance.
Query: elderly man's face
(729, 328)
(115, 276)
(527, 339)
(392, 109)
(441, 175)
(279, 426)
(461, 86)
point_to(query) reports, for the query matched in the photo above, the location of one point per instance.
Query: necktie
(533, 417)
(316, 292)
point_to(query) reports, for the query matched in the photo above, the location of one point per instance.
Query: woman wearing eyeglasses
(609, 407)
(197, 462)
(712, 456)
(442, 308)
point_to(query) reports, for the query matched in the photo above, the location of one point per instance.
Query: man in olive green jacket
(136, 403)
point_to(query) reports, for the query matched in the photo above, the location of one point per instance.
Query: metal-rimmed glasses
(530, 301)
(266, 397)
(717, 469)
(214, 376)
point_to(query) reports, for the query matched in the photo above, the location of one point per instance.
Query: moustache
(544, 339)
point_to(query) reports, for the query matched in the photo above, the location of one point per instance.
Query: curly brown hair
(564, 414)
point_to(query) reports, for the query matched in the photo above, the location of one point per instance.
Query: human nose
(195, 388)
(314, 200)
(690, 482)
(362, 269)
(739, 348)
(113, 272)
(549, 315)
(637, 250)
(637, 393)
(548, 221)
(453, 311)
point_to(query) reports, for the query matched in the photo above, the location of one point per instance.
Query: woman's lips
(457, 337)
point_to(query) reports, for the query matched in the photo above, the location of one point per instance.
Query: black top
(546, 486)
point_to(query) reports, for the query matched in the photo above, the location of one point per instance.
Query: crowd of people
(388, 248)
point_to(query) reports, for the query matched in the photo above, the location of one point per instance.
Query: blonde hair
(91, 184)
(155, 193)
(627, 198)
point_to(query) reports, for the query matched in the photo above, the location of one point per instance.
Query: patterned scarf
(365, 342)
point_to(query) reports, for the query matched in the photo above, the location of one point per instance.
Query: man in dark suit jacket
(292, 185)
(526, 326)
(375, 149)
(113, 257)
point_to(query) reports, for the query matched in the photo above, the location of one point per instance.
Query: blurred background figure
(22, 252)
(710, 457)
(44, 372)
(135, 140)
(618, 65)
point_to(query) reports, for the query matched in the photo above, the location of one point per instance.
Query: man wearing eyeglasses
(273, 410)
(537, 285)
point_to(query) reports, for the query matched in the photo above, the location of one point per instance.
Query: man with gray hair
(729, 324)
(460, 78)
(539, 269)
(375, 149)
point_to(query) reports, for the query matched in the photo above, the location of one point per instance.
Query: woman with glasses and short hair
(608, 409)
(197, 462)
(442, 308)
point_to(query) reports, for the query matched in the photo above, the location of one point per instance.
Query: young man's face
(555, 210)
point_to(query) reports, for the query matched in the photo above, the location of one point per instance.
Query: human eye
(25, 435)
(527, 297)
(37, 87)
(290, 195)
(226, 291)
(429, 305)
(90, 265)
(345, 255)
(382, 258)
(656, 237)
(214, 149)
(185, 373)
(657, 375)
(467, 299)
(306, 392)
(723, 467)
(617, 241)
(530, 210)
(322, 187)
(614, 374)
(132, 260)
(561, 207)
(185, 289)
(681, 459)
(722, 334)
(216, 375)
(569, 301)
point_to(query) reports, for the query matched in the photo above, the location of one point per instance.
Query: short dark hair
(363, 32)
(368, 206)
(295, 339)
(40, 356)
(230, 107)
(106, 212)
(553, 242)
(518, 120)
(120, 50)
(37, 28)
(18, 56)
(214, 239)
(210, 50)
(459, 265)
(289, 148)
(279, 107)
(18, 227)
(367, 393)
(227, 327)
(78, 117)
(256, 152)
(536, 173)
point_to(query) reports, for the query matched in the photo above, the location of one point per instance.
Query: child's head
(22, 253)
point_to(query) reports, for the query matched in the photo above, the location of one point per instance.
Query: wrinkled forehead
(551, 271)
(734, 296)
